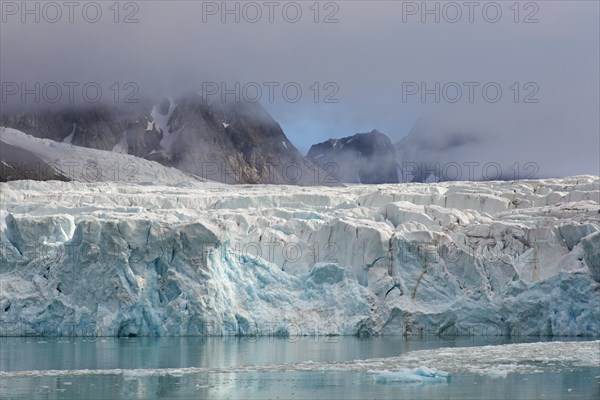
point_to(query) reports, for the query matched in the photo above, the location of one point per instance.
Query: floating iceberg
(417, 375)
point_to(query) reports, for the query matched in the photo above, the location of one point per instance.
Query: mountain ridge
(361, 158)
(229, 143)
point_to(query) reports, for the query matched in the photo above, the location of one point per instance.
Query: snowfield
(462, 258)
(91, 165)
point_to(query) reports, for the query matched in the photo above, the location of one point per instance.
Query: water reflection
(20, 354)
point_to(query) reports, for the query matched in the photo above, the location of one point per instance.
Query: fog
(369, 70)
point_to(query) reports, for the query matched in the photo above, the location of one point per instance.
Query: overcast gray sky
(369, 61)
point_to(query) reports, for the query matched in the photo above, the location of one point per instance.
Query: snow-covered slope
(88, 165)
(449, 258)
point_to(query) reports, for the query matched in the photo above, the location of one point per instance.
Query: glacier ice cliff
(454, 258)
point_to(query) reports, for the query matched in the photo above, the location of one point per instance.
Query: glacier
(202, 258)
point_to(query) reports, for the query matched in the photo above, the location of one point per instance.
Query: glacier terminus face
(455, 258)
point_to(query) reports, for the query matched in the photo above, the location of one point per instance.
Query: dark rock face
(141, 141)
(362, 158)
(232, 143)
(98, 127)
(18, 164)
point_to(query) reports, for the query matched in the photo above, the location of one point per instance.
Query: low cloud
(361, 60)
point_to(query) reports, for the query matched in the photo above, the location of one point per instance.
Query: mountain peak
(360, 158)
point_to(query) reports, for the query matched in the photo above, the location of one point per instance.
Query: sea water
(299, 368)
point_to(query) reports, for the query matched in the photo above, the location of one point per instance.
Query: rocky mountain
(232, 143)
(362, 158)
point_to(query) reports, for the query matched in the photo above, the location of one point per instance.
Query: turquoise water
(246, 368)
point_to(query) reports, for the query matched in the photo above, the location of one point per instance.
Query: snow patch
(122, 147)
(69, 139)
(161, 122)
